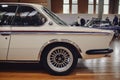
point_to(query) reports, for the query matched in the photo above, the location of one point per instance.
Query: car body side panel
(26, 44)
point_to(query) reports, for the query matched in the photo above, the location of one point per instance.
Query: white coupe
(32, 33)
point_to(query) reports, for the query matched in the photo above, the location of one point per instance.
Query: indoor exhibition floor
(106, 68)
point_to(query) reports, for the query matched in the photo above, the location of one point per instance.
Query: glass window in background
(97, 2)
(74, 6)
(119, 8)
(66, 7)
(90, 6)
(106, 7)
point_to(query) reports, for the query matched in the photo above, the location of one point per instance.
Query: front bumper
(99, 51)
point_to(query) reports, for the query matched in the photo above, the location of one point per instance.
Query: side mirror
(50, 23)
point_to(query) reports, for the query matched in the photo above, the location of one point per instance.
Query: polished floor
(92, 69)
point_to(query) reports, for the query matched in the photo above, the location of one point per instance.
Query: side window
(27, 16)
(7, 12)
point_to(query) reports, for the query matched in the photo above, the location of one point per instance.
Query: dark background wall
(83, 6)
(57, 5)
(113, 6)
(43, 2)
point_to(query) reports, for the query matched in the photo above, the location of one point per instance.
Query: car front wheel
(59, 59)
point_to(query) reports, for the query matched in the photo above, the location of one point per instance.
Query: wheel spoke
(61, 54)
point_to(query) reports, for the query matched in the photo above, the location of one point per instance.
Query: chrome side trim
(19, 32)
(56, 40)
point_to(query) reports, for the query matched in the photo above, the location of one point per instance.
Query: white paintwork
(28, 46)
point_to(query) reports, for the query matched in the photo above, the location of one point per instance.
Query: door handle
(5, 33)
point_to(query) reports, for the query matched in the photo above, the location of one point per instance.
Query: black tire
(59, 63)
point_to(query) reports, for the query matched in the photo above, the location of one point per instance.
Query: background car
(103, 24)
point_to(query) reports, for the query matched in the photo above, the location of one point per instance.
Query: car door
(25, 41)
(6, 14)
(4, 42)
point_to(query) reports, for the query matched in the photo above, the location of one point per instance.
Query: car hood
(85, 29)
(80, 29)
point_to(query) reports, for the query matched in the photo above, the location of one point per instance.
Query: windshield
(54, 17)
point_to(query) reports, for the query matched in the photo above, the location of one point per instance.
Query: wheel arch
(57, 42)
